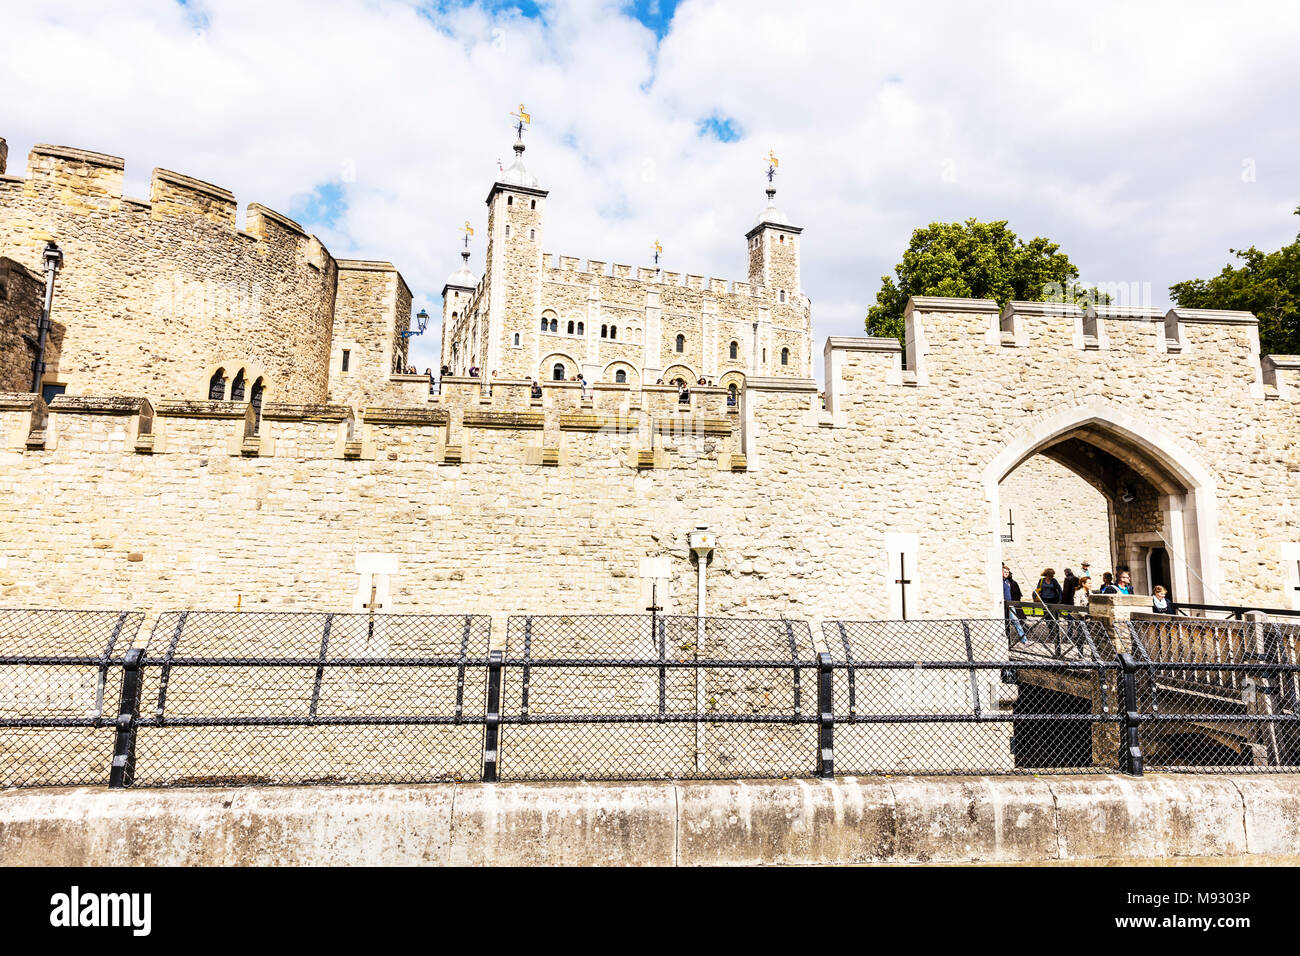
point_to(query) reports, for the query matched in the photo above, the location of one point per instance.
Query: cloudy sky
(1146, 139)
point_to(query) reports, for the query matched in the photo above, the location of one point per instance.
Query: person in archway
(1049, 589)
(1068, 585)
(1160, 600)
(1011, 595)
(1125, 584)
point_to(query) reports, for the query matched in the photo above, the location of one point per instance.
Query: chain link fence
(647, 696)
(972, 697)
(272, 698)
(59, 685)
(1218, 695)
(299, 698)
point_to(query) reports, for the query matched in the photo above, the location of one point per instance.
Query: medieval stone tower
(537, 316)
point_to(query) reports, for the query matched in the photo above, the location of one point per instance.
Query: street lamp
(53, 257)
(421, 323)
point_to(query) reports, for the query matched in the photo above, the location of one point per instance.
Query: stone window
(507, 230)
(620, 376)
(681, 343)
(785, 356)
(532, 233)
(510, 201)
(516, 340)
(555, 325)
(613, 331)
(604, 331)
(543, 324)
(237, 387)
(532, 204)
(581, 329)
(217, 386)
(557, 373)
(571, 326)
(783, 296)
(734, 350)
(731, 393)
(256, 398)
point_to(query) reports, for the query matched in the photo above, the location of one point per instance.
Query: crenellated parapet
(156, 295)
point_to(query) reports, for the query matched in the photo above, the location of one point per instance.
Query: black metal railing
(275, 698)
(59, 687)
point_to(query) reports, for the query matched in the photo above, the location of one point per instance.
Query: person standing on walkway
(1011, 593)
(1049, 589)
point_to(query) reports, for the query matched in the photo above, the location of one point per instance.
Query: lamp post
(53, 257)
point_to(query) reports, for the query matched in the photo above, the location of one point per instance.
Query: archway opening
(1116, 495)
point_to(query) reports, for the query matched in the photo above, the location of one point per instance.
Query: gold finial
(522, 115)
(772, 164)
(658, 251)
(469, 231)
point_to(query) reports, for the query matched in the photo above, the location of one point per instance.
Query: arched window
(731, 393)
(516, 339)
(532, 233)
(681, 343)
(785, 356)
(507, 230)
(543, 324)
(532, 204)
(734, 351)
(783, 295)
(581, 330)
(604, 331)
(217, 387)
(613, 331)
(555, 325)
(570, 326)
(510, 200)
(620, 376)
(557, 373)
(237, 387)
(256, 398)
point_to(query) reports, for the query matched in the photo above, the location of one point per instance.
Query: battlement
(256, 302)
(81, 180)
(568, 269)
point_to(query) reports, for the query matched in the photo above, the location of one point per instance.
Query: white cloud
(1119, 131)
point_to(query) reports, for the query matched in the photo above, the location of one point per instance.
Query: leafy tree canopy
(975, 260)
(1266, 283)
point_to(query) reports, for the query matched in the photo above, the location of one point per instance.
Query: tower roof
(771, 216)
(462, 278)
(516, 176)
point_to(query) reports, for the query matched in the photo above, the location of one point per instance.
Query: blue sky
(1146, 139)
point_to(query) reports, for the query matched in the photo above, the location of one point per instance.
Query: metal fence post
(1131, 755)
(492, 720)
(826, 717)
(128, 712)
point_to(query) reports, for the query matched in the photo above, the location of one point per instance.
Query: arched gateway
(1161, 498)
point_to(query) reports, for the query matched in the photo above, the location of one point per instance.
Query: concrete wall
(1086, 819)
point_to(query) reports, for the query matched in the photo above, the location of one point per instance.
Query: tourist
(1049, 589)
(1160, 600)
(1068, 584)
(1107, 584)
(1124, 585)
(1011, 595)
(535, 390)
(1081, 592)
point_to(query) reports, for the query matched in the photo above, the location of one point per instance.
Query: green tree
(975, 260)
(1266, 283)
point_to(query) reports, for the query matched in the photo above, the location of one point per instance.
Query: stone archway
(1090, 439)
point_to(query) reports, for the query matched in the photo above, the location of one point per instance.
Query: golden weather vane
(658, 251)
(524, 120)
(469, 231)
(772, 164)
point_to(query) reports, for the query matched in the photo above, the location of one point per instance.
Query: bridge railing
(303, 697)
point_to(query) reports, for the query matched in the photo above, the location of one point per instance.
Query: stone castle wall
(490, 503)
(154, 295)
(372, 309)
